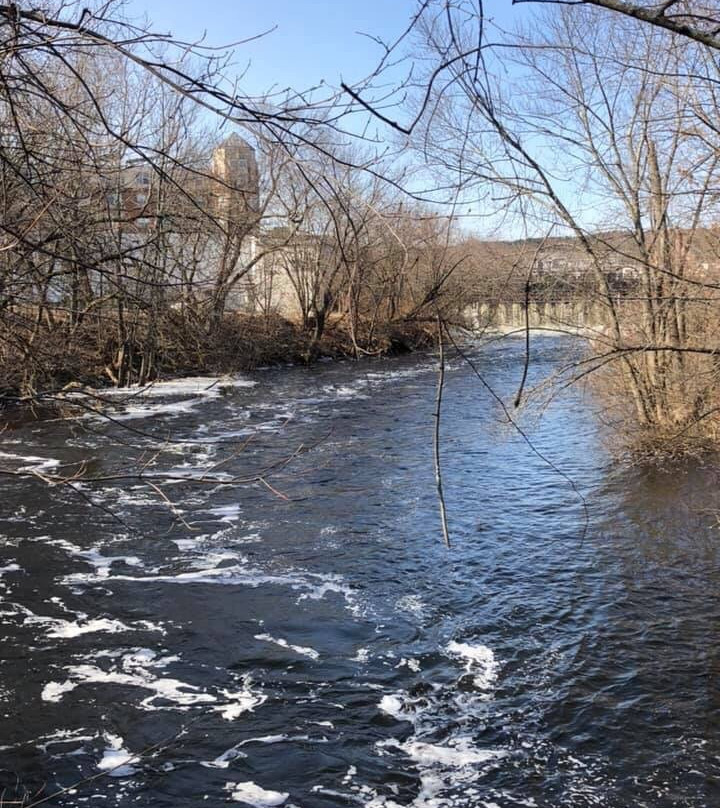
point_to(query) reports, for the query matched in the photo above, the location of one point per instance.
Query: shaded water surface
(322, 648)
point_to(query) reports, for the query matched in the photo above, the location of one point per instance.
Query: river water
(312, 643)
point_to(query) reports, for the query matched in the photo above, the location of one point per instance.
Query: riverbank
(239, 344)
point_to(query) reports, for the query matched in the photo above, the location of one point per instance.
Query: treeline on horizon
(127, 251)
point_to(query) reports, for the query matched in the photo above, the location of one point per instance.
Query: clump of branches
(134, 224)
(601, 127)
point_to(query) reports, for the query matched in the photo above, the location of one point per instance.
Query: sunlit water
(325, 649)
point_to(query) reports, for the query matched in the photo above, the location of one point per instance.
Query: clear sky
(314, 39)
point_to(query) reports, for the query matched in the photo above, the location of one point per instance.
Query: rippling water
(319, 646)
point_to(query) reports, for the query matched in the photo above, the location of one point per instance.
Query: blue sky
(314, 39)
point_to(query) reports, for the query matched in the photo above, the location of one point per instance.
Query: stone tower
(234, 164)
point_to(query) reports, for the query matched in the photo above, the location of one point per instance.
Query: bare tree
(698, 21)
(601, 127)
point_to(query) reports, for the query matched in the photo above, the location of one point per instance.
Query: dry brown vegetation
(137, 241)
(585, 123)
(66, 357)
(593, 132)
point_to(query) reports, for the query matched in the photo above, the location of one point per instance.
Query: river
(312, 643)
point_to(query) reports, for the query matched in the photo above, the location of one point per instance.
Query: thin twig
(526, 364)
(436, 436)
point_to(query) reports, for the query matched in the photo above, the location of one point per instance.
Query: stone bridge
(573, 316)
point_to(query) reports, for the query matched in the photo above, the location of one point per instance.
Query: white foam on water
(448, 764)
(116, 761)
(136, 672)
(234, 753)
(94, 557)
(312, 586)
(447, 771)
(132, 496)
(394, 705)
(226, 513)
(67, 629)
(54, 691)
(59, 628)
(381, 376)
(240, 701)
(189, 544)
(411, 663)
(14, 609)
(252, 794)
(460, 755)
(282, 738)
(206, 386)
(62, 736)
(333, 585)
(344, 796)
(479, 661)
(140, 402)
(223, 761)
(412, 604)
(198, 544)
(142, 657)
(311, 653)
(404, 707)
(215, 558)
(342, 392)
(5, 586)
(172, 690)
(30, 463)
(131, 412)
(9, 568)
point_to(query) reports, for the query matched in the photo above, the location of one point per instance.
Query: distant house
(235, 169)
(224, 186)
(197, 218)
(296, 269)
